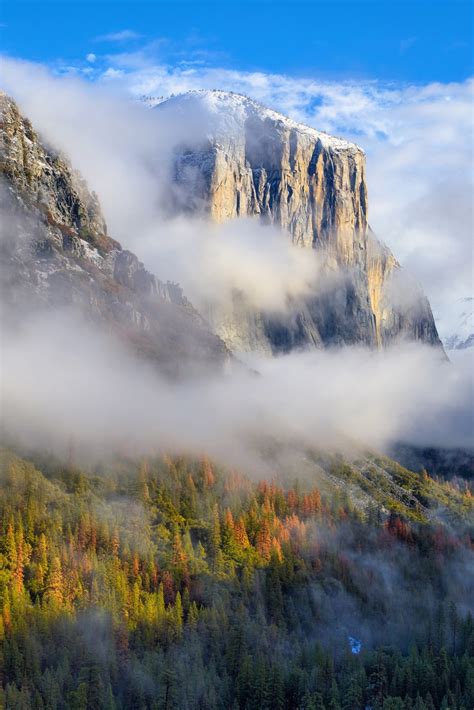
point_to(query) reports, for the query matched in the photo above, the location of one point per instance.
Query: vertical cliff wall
(241, 159)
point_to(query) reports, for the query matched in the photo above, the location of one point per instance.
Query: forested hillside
(170, 583)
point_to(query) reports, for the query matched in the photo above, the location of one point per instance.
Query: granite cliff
(56, 253)
(241, 159)
(233, 158)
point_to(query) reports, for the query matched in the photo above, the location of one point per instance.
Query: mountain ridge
(57, 252)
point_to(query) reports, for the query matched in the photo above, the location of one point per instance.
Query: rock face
(56, 252)
(240, 159)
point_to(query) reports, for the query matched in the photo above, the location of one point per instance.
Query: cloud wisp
(121, 36)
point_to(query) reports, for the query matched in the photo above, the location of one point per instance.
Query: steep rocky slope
(238, 158)
(56, 253)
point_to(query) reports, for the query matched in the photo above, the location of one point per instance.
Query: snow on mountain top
(456, 325)
(228, 112)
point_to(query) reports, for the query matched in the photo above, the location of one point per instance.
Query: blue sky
(401, 40)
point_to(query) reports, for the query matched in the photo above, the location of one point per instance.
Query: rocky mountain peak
(239, 159)
(226, 113)
(46, 182)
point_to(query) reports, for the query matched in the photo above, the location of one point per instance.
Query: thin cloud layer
(62, 378)
(121, 36)
(215, 261)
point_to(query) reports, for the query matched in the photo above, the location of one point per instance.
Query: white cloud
(407, 392)
(122, 36)
(91, 57)
(112, 73)
(406, 44)
(214, 261)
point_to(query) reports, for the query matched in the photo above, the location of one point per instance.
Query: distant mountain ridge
(238, 158)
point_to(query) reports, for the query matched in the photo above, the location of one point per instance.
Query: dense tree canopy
(169, 583)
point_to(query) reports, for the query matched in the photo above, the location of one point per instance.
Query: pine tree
(18, 571)
(277, 691)
(264, 542)
(453, 624)
(334, 697)
(353, 696)
(208, 475)
(391, 703)
(240, 534)
(54, 583)
(95, 689)
(215, 537)
(177, 616)
(10, 548)
(168, 683)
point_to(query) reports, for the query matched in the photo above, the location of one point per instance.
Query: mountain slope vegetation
(171, 583)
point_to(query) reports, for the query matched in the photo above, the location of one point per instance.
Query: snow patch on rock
(456, 326)
(227, 113)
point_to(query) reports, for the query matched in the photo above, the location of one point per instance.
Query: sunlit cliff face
(239, 159)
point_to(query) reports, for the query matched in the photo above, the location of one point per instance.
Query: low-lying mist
(62, 378)
(214, 261)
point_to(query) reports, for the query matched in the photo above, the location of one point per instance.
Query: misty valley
(236, 461)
